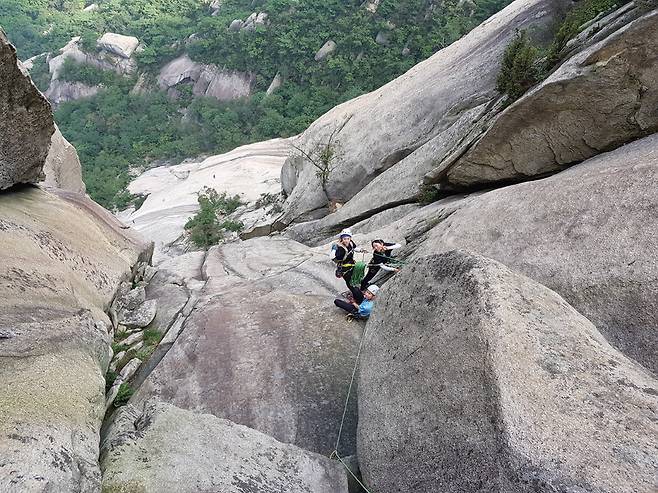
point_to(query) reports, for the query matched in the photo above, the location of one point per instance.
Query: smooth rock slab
(164, 448)
(478, 379)
(118, 44)
(265, 347)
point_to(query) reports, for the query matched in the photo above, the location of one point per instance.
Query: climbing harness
(334, 454)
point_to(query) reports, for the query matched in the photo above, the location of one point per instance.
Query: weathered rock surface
(26, 124)
(327, 49)
(164, 448)
(61, 259)
(249, 171)
(587, 233)
(601, 98)
(62, 167)
(475, 378)
(61, 91)
(420, 120)
(265, 347)
(206, 80)
(118, 44)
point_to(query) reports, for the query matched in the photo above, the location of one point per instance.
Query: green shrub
(40, 73)
(520, 68)
(428, 194)
(73, 71)
(123, 396)
(574, 20)
(110, 377)
(205, 228)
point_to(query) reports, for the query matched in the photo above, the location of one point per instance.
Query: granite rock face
(62, 258)
(265, 347)
(401, 131)
(62, 167)
(163, 448)
(26, 125)
(475, 378)
(206, 80)
(602, 97)
(588, 233)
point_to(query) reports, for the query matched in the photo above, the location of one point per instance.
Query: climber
(342, 253)
(360, 304)
(380, 257)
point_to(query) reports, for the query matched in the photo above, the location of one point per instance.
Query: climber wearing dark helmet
(381, 256)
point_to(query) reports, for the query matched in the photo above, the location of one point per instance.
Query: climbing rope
(334, 454)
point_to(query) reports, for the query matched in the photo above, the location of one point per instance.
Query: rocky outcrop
(118, 44)
(586, 233)
(475, 378)
(62, 258)
(264, 346)
(206, 80)
(254, 20)
(601, 98)
(276, 83)
(327, 49)
(419, 120)
(26, 125)
(249, 171)
(164, 448)
(62, 167)
(60, 91)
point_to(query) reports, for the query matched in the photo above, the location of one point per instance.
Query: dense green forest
(116, 130)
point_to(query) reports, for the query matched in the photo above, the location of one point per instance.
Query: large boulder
(206, 80)
(409, 125)
(588, 233)
(265, 347)
(62, 167)
(26, 125)
(163, 448)
(119, 44)
(62, 258)
(601, 98)
(475, 378)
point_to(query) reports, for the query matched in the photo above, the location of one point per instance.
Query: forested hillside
(119, 128)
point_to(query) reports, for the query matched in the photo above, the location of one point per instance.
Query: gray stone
(414, 117)
(131, 300)
(327, 49)
(276, 83)
(121, 45)
(599, 99)
(26, 125)
(475, 378)
(206, 80)
(133, 338)
(588, 233)
(164, 448)
(61, 91)
(62, 167)
(236, 25)
(265, 347)
(140, 317)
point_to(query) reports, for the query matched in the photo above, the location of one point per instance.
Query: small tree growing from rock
(323, 158)
(205, 228)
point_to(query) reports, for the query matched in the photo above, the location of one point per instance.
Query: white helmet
(373, 288)
(345, 232)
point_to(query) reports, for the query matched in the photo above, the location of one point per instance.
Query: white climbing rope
(347, 401)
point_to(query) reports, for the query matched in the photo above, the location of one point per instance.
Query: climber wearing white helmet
(361, 303)
(342, 253)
